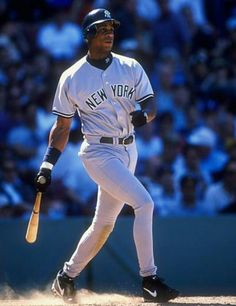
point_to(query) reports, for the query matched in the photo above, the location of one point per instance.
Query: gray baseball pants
(112, 168)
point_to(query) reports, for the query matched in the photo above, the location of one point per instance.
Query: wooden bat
(32, 229)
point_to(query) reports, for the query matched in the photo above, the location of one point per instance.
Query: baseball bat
(32, 229)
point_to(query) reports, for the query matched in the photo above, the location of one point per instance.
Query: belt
(123, 141)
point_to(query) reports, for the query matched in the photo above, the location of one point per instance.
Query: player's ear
(90, 33)
(88, 39)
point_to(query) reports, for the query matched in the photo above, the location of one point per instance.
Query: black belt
(124, 140)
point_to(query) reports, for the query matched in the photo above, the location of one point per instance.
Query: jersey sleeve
(62, 104)
(143, 87)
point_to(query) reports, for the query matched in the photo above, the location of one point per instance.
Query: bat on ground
(32, 229)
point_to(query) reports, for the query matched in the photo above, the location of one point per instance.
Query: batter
(112, 95)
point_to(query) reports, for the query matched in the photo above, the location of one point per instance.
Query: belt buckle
(125, 138)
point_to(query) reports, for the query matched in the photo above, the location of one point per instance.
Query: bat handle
(37, 202)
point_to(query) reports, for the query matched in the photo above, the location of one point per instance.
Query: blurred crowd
(187, 156)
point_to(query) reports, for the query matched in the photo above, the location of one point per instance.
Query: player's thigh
(107, 208)
(114, 177)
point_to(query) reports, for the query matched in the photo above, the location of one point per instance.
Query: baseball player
(105, 89)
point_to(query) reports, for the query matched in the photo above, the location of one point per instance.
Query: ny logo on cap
(107, 14)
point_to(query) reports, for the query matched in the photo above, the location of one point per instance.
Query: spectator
(174, 26)
(9, 52)
(147, 10)
(163, 192)
(221, 196)
(61, 38)
(125, 12)
(24, 138)
(188, 202)
(164, 86)
(218, 85)
(181, 102)
(203, 36)
(170, 157)
(212, 159)
(196, 6)
(193, 118)
(19, 38)
(191, 166)
(149, 145)
(198, 71)
(13, 192)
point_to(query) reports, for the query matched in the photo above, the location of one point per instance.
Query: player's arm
(146, 114)
(58, 139)
(59, 133)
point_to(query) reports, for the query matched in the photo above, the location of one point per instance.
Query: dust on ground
(88, 298)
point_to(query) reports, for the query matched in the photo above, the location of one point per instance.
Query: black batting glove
(42, 179)
(139, 118)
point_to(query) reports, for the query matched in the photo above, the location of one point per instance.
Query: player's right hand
(42, 179)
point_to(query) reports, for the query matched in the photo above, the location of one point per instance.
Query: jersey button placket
(106, 86)
(107, 89)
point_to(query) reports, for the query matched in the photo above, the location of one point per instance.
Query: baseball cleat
(155, 290)
(64, 286)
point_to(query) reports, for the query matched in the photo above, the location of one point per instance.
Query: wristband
(46, 165)
(51, 156)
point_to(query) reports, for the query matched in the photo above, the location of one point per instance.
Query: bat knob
(41, 180)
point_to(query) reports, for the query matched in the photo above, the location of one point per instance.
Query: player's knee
(146, 206)
(149, 205)
(103, 227)
(107, 228)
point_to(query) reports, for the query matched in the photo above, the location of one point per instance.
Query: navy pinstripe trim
(144, 98)
(62, 115)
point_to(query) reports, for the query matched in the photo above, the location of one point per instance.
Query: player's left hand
(138, 118)
(42, 180)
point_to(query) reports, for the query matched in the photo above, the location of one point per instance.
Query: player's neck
(98, 55)
(102, 63)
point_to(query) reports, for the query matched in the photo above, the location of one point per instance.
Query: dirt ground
(8, 298)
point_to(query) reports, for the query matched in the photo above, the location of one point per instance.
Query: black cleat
(155, 290)
(64, 286)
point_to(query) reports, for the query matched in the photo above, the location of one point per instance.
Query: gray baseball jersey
(104, 100)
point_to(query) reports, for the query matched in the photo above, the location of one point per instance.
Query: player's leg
(116, 179)
(121, 182)
(92, 240)
(107, 210)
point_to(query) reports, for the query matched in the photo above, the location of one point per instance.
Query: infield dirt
(85, 297)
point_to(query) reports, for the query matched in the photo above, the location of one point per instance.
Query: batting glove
(42, 179)
(139, 118)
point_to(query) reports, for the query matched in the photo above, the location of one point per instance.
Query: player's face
(104, 38)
